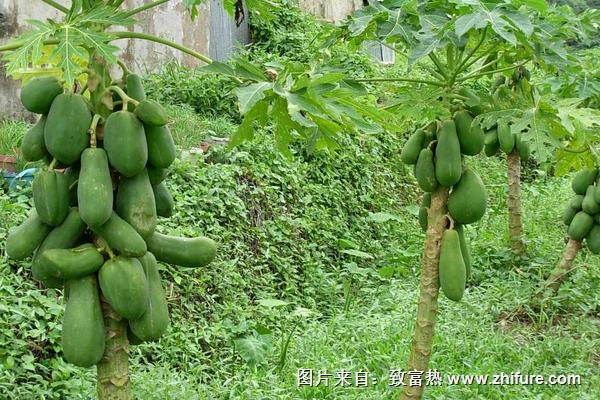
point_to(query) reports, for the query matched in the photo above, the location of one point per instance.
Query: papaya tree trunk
(562, 269)
(427, 308)
(113, 370)
(515, 212)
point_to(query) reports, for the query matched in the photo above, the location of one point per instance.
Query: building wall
(331, 10)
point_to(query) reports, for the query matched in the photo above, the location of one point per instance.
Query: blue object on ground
(24, 178)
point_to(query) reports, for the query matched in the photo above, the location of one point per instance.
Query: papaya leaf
(249, 95)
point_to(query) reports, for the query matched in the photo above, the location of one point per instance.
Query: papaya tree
(451, 44)
(107, 150)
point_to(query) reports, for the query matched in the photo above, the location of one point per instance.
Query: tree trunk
(515, 212)
(428, 297)
(113, 370)
(562, 269)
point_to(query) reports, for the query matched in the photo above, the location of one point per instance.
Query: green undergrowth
(323, 249)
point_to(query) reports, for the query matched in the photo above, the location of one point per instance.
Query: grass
(11, 134)
(278, 224)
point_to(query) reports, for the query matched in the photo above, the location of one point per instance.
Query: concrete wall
(331, 10)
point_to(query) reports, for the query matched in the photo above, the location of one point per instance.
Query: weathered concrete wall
(170, 21)
(331, 10)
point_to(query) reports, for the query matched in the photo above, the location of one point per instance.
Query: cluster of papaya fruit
(582, 214)
(501, 137)
(436, 152)
(96, 207)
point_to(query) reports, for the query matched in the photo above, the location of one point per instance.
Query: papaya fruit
(410, 152)
(470, 137)
(135, 88)
(491, 143)
(522, 148)
(157, 175)
(155, 321)
(589, 204)
(448, 161)
(83, 336)
(66, 128)
(505, 138)
(24, 239)
(464, 249)
(577, 202)
(125, 287)
(425, 171)
(452, 269)
(51, 197)
(33, 146)
(593, 239)
(569, 214)
(37, 96)
(72, 175)
(473, 103)
(164, 200)
(580, 226)
(583, 179)
(121, 237)
(151, 113)
(186, 252)
(125, 143)
(71, 263)
(161, 148)
(597, 192)
(95, 189)
(133, 340)
(64, 236)
(468, 201)
(136, 205)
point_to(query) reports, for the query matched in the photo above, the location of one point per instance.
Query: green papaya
(161, 148)
(121, 237)
(51, 197)
(583, 179)
(593, 239)
(71, 263)
(66, 129)
(505, 137)
(464, 249)
(468, 201)
(157, 175)
(589, 204)
(133, 340)
(136, 205)
(83, 336)
(24, 239)
(186, 252)
(448, 161)
(151, 113)
(410, 152)
(33, 146)
(522, 148)
(580, 226)
(72, 175)
(470, 137)
(425, 171)
(423, 218)
(426, 200)
(452, 269)
(155, 321)
(125, 286)
(577, 202)
(37, 96)
(491, 143)
(64, 236)
(125, 143)
(473, 103)
(135, 88)
(569, 214)
(597, 193)
(164, 200)
(95, 189)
